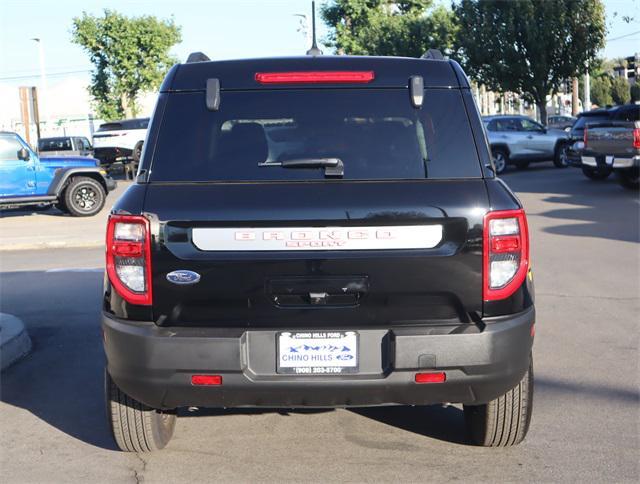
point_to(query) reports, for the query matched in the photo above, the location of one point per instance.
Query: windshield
(54, 144)
(375, 133)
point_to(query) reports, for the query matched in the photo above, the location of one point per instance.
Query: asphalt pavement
(586, 261)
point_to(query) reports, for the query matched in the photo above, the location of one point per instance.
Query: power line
(13, 78)
(623, 36)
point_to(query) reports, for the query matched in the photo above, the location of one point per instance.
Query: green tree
(620, 91)
(386, 27)
(635, 92)
(528, 46)
(130, 55)
(601, 90)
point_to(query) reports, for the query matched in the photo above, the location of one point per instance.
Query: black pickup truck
(614, 145)
(317, 231)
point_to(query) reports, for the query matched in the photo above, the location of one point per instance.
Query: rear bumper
(154, 365)
(111, 154)
(111, 183)
(614, 162)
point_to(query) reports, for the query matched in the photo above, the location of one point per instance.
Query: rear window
(54, 144)
(582, 120)
(627, 113)
(141, 123)
(376, 133)
(110, 127)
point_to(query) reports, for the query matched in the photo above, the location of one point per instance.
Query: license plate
(318, 352)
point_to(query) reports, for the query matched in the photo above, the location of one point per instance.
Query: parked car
(331, 236)
(560, 122)
(615, 145)
(73, 184)
(65, 145)
(120, 140)
(520, 140)
(576, 142)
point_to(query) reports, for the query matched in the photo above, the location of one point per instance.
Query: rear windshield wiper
(333, 167)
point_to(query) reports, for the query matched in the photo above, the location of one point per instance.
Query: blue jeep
(76, 185)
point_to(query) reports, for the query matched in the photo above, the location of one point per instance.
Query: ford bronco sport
(317, 232)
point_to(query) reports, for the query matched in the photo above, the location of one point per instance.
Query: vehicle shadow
(440, 422)
(600, 209)
(27, 211)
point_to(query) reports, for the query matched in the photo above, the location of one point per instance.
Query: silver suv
(519, 140)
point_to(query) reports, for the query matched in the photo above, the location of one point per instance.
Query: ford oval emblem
(183, 277)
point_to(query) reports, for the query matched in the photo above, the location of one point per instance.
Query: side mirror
(23, 154)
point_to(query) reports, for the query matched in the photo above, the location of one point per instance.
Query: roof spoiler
(197, 57)
(433, 54)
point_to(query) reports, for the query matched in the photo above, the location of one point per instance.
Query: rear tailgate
(613, 138)
(395, 253)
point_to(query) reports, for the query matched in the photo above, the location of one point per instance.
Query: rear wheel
(596, 173)
(560, 155)
(502, 422)
(500, 159)
(84, 197)
(629, 178)
(137, 152)
(136, 427)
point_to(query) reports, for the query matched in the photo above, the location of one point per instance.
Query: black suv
(317, 232)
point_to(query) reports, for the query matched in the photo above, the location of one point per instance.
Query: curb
(14, 340)
(8, 246)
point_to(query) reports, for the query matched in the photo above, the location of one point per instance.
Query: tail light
(505, 253)
(129, 258)
(636, 138)
(584, 136)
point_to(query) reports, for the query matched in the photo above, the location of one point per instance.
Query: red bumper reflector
(206, 380)
(313, 77)
(439, 377)
(127, 249)
(505, 243)
(533, 329)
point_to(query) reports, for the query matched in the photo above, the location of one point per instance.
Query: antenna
(314, 50)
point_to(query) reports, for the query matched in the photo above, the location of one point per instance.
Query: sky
(223, 29)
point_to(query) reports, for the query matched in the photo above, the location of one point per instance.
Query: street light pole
(587, 91)
(43, 76)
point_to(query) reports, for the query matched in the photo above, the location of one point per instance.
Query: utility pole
(44, 90)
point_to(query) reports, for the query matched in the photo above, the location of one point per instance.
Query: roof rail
(197, 57)
(433, 54)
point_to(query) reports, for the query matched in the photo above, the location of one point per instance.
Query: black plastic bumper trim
(154, 365)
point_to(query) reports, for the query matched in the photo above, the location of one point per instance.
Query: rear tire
(84, 197)
(500, 159)
(502, 422)
(560, 155)
(136, 427)
(599, 173)
(137, 152)
(629, 178)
